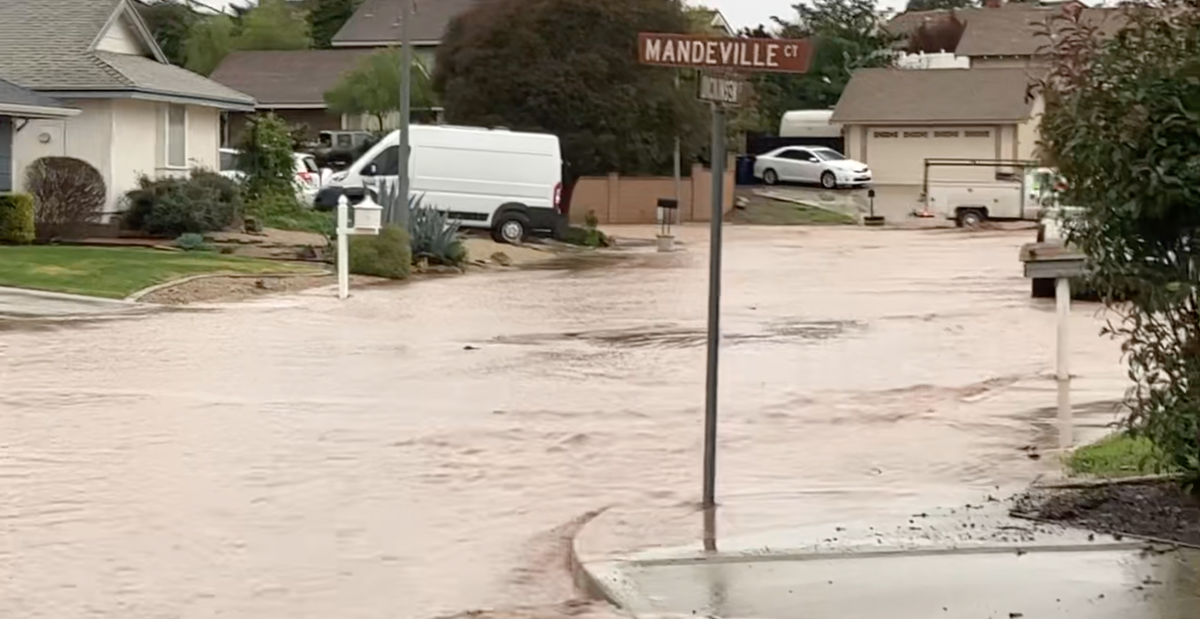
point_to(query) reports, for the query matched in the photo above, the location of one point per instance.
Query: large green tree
(848, 34)
(1122, 123)
(271, 25)
(326, 18)
(570, 67)
(373, 87)
(169, 21)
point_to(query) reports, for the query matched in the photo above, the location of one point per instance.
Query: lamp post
(407, 9)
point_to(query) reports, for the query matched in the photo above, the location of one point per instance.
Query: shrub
(205, 202)
(265, 155)
(191, 241)
(284, 212)
(68, 194)
(16, 219)
(388, 254)
(1121, 123)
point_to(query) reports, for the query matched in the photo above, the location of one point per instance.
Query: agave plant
(434, 236)
(396, 210)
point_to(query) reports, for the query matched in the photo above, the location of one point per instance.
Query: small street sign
(740, 54)
(724, 90)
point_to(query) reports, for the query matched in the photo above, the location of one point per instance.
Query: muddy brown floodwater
(429, 449)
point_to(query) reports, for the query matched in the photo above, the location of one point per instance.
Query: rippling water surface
(428, 449)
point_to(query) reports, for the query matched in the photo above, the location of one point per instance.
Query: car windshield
(826, 154)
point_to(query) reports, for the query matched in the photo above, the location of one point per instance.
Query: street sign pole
(729, 58)
(714, 307)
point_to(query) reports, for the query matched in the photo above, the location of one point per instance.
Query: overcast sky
(750, 13)
(740, 13)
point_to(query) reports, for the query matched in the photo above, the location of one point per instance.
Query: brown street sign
(720, 89)
(745, 55)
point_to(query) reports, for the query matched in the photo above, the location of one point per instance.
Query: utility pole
(407, 9)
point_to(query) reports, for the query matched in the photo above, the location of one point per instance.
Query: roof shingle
(934, 95)
(46, 45)
(283, 78)
(376, 22)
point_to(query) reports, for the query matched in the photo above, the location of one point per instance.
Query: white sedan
(308, 175)
(810, 164)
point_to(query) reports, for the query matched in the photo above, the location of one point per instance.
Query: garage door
(897, 154)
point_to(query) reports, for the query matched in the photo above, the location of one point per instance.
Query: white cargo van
(506, 181)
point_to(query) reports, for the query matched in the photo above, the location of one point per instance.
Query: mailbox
(368, 216)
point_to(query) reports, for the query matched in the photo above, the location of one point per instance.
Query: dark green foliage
(16, 219)
(1122, 123)
(373, 87)
(388, 254)
(205, 202)
(569, 67)
(326, 18)
(284, 212)
(847, 36)
(265, 156)
(170, 21)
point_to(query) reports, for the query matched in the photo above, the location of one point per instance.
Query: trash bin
(744, 174)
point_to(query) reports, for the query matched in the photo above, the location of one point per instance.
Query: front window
(825, 154)
(228, 161)
(176, 136)
(388, 162)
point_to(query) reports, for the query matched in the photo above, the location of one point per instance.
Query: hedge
(16, 218)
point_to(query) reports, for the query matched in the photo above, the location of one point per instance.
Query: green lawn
(1116, 456)
(116, 272)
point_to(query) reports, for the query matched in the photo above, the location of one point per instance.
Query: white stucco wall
(86, 136)
(1029, 132)
(204, 137)
(134, 145)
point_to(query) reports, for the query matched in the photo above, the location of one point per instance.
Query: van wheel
(770, 177)
(970, 218)
(511, 228)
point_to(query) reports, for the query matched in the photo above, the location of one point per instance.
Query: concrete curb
(137, 296)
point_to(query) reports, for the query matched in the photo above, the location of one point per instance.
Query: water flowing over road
(428, 449)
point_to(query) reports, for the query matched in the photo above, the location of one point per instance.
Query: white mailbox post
(368, 219)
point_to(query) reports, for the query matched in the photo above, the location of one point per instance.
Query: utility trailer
(1022, 194)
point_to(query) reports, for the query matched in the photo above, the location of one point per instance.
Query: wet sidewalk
(967, 562)
(23, 303)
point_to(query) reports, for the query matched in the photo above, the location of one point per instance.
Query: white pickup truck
(1022, 195)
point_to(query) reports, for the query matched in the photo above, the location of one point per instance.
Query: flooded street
(428, 449)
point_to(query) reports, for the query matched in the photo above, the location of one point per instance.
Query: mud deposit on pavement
(427, 450)
(1159, 511)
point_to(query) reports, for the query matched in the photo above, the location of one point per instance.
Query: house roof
(51, 46)
(288, 78)
(934, 96)
(1009, 30)
(22, 103)
(375, 23)
(1014, 30)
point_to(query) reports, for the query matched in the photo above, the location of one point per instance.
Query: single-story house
(17, 107)
(292, 84)
(138, 114)
(894, 119)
